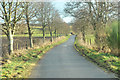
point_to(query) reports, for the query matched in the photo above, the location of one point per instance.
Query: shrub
(112, 38)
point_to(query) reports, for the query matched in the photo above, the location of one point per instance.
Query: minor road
(64, 61)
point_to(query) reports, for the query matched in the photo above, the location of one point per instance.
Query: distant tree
(42, 15)
(80, 12)
(50, 19)
(56, 22)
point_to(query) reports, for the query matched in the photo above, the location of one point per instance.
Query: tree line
(41, 13)
(96, 18)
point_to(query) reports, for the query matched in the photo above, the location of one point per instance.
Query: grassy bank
(108, 61)
(19, 65)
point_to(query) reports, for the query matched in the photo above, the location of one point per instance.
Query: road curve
(64, 61)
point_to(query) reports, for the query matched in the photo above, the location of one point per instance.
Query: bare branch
(1, 17)
(4, 31)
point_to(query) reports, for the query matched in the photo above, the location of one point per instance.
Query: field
(21, 42)
(26, 35)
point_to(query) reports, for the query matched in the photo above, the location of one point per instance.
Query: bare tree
(11, 14)
(50, 19)
(56, 22)
(96, 13)
(42, 13)
(30, 12)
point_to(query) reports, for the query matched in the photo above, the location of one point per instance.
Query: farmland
(22, 42)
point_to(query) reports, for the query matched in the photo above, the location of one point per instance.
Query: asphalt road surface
(64, 61)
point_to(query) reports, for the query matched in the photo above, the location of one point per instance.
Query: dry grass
(95, 47)
(82, 43)
(36, 46)
(47, 42)
(21, 62)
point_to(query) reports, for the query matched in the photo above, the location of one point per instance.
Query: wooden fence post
(17, 46)
(26, 45)
(90, 41)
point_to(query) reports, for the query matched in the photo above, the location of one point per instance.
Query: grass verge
(107, 61)
(19, 65)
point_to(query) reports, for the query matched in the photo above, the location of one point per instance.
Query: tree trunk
(96, 38)
(55, 33)
(31, 41)
(83, 33)
(28, 25)
(51, 37)
(43, 34)
(83, 36)
(30, 34)
(10, 45)
(96, 34)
